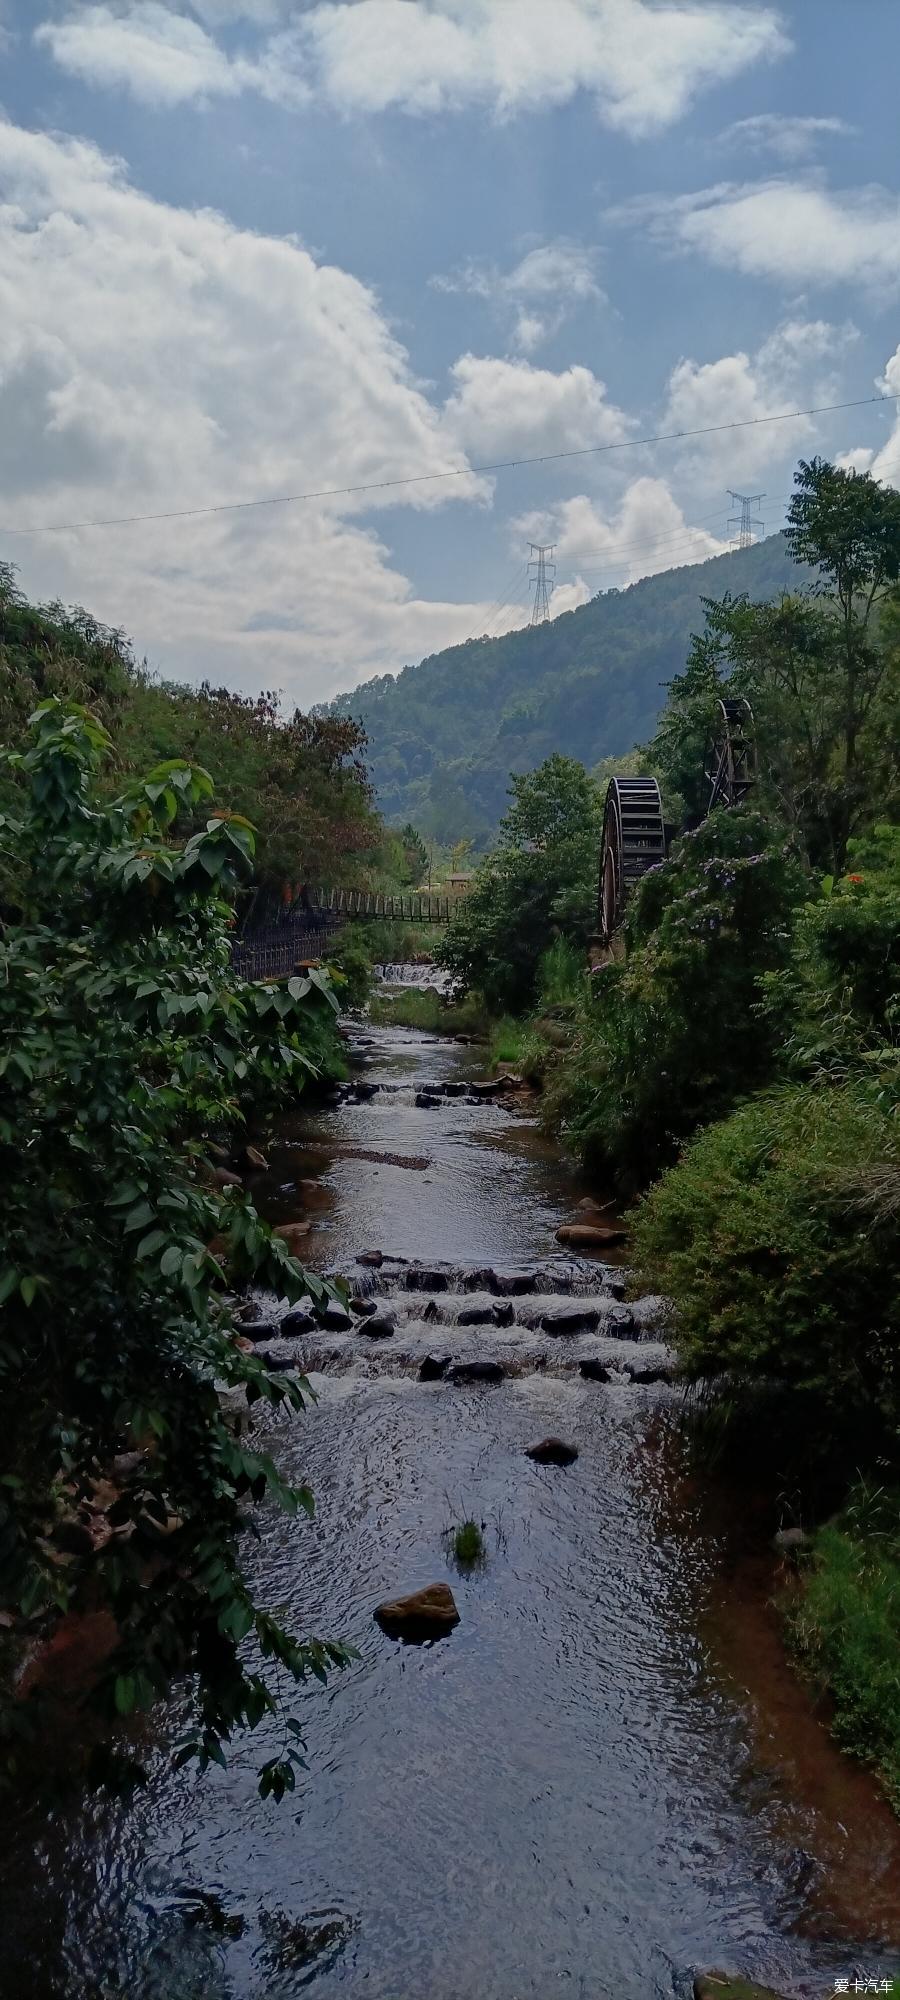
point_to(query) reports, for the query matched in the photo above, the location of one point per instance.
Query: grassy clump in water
(468, 1543)
(423, 1007)
(845, 1624)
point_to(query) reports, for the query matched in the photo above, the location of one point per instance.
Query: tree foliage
(126, 1039)
(673, 1034)
(302, 778)
(539, 882)
(821, 671)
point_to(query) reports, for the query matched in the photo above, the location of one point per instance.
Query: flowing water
(606, 1776)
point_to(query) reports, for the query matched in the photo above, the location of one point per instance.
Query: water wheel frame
(633, 840)
(730, 766)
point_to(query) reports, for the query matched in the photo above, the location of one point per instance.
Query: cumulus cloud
(795, 232)
(154, 358)
(645, 533)
(643, 63)
(790, 139)
(538, 293)
(795, 364)
(503, 408)
(163, 58)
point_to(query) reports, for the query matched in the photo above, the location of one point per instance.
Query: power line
(453, 472)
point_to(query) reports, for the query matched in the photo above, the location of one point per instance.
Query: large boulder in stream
(296, 1322)
(379, 1326)
(425, 1614)
(482, 1315)
(336, 1319)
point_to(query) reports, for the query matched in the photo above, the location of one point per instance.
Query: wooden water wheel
(731, 766)
(634, 839)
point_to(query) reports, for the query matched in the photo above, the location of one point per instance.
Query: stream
(607, 1776)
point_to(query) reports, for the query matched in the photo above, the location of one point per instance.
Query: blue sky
(250, 247)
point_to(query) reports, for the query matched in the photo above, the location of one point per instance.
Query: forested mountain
(444, 735)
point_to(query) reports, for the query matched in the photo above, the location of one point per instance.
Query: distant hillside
(444, 735)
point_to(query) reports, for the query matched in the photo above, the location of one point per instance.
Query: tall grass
(561, 974)
(421, 1007)
(845, 1624)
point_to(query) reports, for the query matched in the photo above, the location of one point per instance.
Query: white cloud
(538, 293)
(795, 232)
(154, 358)
(793, 366)
(643, 63)
(505, 408)
(162, 57)
(790, 139)
(646, 533)
(883, 464)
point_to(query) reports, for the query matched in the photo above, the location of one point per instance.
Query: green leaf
(148, 1244)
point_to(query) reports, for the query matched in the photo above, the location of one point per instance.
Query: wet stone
(476, 1371)
(513, 1284)
(374, 1258)
(258, 1329)
(425, 1614)
(579, 1317)
(434, 1367)
(421, 1278)
(503, 1313)
(476, 1316)
(552, 1451)
(363, 1307)
(379, 1327)
(336, 1319)
(593, 1369)
(297, 1321)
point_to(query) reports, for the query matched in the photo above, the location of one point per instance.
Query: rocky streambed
(602, 1779)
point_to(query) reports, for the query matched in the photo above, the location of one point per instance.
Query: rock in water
(476, 1371)
(476, 1316)
(379, 1327)
(297, 1321)
(579, 1317)
(372, 1257)
(719, 1986)
(252, 1157)
(593, 1370)
(336, 1319)
(425, 1614)
(434, 1367)
(589, 1235)
(292, 1234)
(552, 1451)
(364, 1307)
(258, 1329)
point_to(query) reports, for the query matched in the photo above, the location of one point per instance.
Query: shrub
(675, 1034)
(125, 1039)
(779, 1265)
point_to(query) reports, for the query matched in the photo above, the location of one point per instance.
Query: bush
(845, 1624)
(778, 1263)
(540, 881)
(126, 1038)
(675, 1034)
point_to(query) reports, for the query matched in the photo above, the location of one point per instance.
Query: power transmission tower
(540, 569)
(746, 521)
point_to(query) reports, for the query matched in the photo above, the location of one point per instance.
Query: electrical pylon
(540, 568)
(746, 521)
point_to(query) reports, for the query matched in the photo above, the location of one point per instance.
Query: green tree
(821, 671)
(415, 856)
(540, 882)
(124, 1040)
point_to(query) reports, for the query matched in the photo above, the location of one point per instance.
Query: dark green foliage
(415, 857)
(124, 1039)
(845, 1625)
(468, 1544)
(540, 881)
(673, 1035)
(821, 671)
(444, 735)
(766, 1239)
(838, 1004)
(301, 779)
